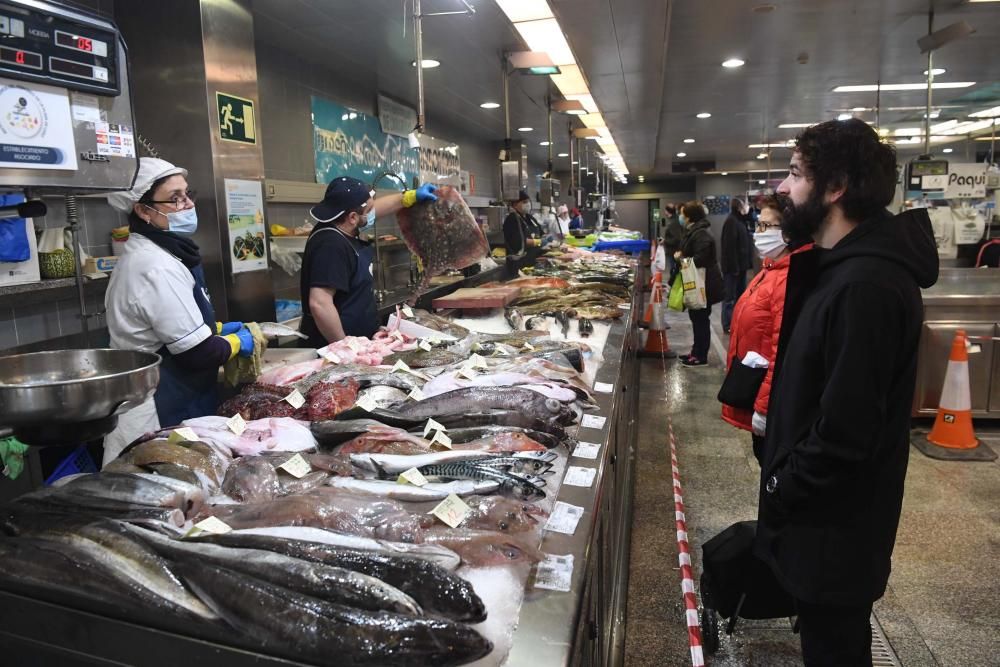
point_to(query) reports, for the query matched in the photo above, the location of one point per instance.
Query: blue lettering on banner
(12, 153)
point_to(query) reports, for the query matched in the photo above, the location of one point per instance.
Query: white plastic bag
(694, 285)
(288, 260)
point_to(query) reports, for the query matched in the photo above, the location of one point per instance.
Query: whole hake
(478, 399)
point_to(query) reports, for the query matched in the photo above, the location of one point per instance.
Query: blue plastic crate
(79, 461)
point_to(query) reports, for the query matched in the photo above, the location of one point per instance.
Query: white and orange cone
(953, 425)
(657, 344)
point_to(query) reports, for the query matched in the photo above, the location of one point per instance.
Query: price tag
(366, 403)
(564, 518)
(182, 435)
(432, 425)
(466, 372)
(416, 394)
(425, 346)
(477, 361)
(329, 355)
(555, 573)
(212, 525)
(296, 466)
(295, 399)
(396, 335)
(401, 365)
(625, 306)
(593, 421)
(452, 510)
(586, 450)
(412, 476)
(353, 344)
(603, 387)
(407, 310)
(578, 476)
(502, 350)
(528, 346)
(236, 424)
(441, 439)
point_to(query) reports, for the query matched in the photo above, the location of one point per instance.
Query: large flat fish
(477, 399)
(443, 234)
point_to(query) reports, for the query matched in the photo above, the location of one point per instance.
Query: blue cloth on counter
(14, 245)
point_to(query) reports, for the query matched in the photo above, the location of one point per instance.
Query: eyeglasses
(178, 201)
(763, 226)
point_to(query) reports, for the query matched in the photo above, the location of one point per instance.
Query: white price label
(366, 403)
(555, 573)
(466, 372)
(416, 394)
(593, 421)
(295, 399)
(407, 310)
(296, 466)
(586, 450)
(236, 424)
(578, 476)
(625, 306)
(412, 476)
(432, 425)
(329, 355)
(425, 346)
(441, 439)
(477, 361)
(564, 518)
(401, 365)
(212, 525)
(182, 435)
(452, 510)
(528, 346)
(603, 387)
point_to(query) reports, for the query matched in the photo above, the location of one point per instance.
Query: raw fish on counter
(278, 434)
(285, 375)
(325, 400)
(443, 234)
(477, 399)
(360, 350)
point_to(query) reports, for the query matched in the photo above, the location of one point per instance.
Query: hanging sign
(396, 119)
(245, 215)
(439, 162)
(347, 142)
(965, 181)
(236, 118)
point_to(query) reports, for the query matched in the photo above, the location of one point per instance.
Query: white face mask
(769, 243)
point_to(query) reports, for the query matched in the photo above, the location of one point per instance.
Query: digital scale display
(929, 168)
(57, 50)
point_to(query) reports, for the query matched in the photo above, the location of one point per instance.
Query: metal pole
(930, 84)
(548, 99)
(572, 168)
(878, 102)
(418, 38)
(73, 219)
(506, 102)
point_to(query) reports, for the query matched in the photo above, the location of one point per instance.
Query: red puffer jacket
(755, 328)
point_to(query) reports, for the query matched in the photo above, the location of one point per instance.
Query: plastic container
(79, 461)
(287, 309)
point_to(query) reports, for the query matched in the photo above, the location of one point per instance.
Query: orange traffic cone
(953, 436)
(657, 344)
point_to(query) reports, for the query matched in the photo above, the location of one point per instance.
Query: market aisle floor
(943, 603)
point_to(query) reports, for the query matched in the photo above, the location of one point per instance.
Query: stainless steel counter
(967, 299)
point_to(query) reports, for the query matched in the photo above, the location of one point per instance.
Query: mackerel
(508, 483)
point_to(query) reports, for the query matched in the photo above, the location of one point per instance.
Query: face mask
(181, 222)
(369, 219)
(682, 219)
(769, 243)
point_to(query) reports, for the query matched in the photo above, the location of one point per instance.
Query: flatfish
(443, 234)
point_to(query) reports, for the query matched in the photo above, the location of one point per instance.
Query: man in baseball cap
(338, 299)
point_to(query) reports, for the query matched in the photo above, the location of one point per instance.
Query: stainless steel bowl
(70, 386)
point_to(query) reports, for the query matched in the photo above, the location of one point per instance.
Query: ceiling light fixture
(895, 87)
(787, 144)
(986, 113)
(525, 129)
(761, 156)
(856, 109)
(947, 150)
(543, 143)
(563, 155)
(733, 63)
(571, 107)
(845, 116)
(703, 114)
(490, 105)
(762, 181)
(794, 126)
(689, 141)
(937, 71)
(642, 179)
(725, 173)
(682, 155)
(427, 63)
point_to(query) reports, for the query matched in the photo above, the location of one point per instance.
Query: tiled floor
(943, 603)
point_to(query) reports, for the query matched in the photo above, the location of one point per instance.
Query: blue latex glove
(426, 192)
(229, 328)
(246, 342)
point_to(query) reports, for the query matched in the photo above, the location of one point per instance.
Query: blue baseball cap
(342, 194)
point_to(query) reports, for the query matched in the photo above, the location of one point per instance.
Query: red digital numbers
(84, 44)
(19, 57)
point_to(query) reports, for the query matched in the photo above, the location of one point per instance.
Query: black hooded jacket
(838, 428)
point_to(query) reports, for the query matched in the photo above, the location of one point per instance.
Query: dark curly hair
(849, 154)
(693, 211)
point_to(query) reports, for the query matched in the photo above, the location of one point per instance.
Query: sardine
(477, 399)
(508, 483)
(435, 588)
(274, 330)
(306, 628)
(531, 465)
(411, 493)
(333, 584)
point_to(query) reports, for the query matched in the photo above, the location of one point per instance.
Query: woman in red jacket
(757, 315)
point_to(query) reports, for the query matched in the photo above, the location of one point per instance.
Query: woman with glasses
(757, 315)
(157, 301)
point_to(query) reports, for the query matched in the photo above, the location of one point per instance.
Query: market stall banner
(347, 142)
(439, 162)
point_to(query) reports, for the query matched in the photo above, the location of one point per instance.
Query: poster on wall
(347, 142)
(966, 181)
(245, 215)
(36, 128)
(716, 204)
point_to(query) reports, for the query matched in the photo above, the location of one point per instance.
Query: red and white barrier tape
(684, 558)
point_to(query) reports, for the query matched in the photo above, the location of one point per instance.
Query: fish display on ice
(478, 399)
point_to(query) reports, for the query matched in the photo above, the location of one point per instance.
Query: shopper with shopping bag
(699, 246)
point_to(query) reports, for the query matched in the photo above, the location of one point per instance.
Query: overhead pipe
(418, 38)
(548, 106)
(930, 84)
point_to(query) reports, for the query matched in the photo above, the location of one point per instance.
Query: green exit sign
(236, 118)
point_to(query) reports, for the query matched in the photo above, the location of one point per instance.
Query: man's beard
(799, 223)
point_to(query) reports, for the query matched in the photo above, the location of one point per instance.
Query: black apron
(358, 312)
(184, 393)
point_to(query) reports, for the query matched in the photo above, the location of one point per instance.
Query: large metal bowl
(71, 386)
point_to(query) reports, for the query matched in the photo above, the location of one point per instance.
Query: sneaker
(692, 361)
